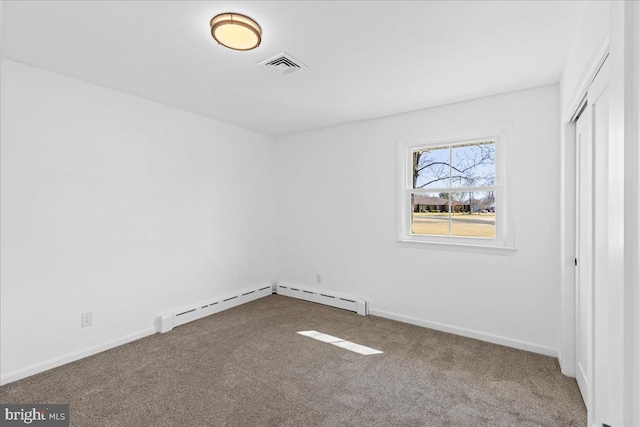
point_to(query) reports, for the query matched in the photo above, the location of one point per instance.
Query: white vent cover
(282, 64)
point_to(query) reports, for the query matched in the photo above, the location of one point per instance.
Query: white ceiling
(366, 59)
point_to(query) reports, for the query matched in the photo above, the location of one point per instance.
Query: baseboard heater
(357, 305)
(168, 321)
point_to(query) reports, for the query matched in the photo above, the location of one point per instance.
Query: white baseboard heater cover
(168, 321)
(345, 302)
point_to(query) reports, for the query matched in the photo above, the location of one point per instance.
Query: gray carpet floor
(248, 367)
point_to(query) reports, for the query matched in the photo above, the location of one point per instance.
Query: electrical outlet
(86, 319)
(318, 278)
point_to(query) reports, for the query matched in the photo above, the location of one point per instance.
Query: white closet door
(584, 249)
(592, 207)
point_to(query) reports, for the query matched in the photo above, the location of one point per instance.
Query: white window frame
(504, 242)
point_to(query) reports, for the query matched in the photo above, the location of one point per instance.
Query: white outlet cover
(86, 319)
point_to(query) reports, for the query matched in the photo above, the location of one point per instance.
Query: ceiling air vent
(282, 64)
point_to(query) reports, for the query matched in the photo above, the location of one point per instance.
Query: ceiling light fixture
(235, 31)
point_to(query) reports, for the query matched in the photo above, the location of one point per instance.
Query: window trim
(504, 242)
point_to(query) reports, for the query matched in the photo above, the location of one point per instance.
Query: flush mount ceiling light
(235, 31)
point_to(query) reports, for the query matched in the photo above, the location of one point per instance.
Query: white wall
(120, 206)
(589, 47)
(591, 36)
(336, 216)
(610, 28)
(635, 360)
(615, 363)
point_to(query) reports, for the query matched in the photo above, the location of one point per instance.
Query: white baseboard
(330, 298)
(244, 298)
(211, 306)
(72, 357)
(349, 303)
(469, 333)
(567, 369)
(193, 312)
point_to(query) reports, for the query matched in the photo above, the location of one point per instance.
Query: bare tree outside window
(461, 166)
(462, 178)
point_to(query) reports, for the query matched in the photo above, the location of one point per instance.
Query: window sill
(457, 247)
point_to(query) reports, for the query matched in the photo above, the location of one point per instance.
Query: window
(453, 192)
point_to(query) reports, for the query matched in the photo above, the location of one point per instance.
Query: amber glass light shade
(235, 31)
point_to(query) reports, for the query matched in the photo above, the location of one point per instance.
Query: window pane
(430, 214)
(473, 165)
(431, 168)
(474, 214)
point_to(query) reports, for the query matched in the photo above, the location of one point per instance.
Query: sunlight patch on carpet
(339, 342)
